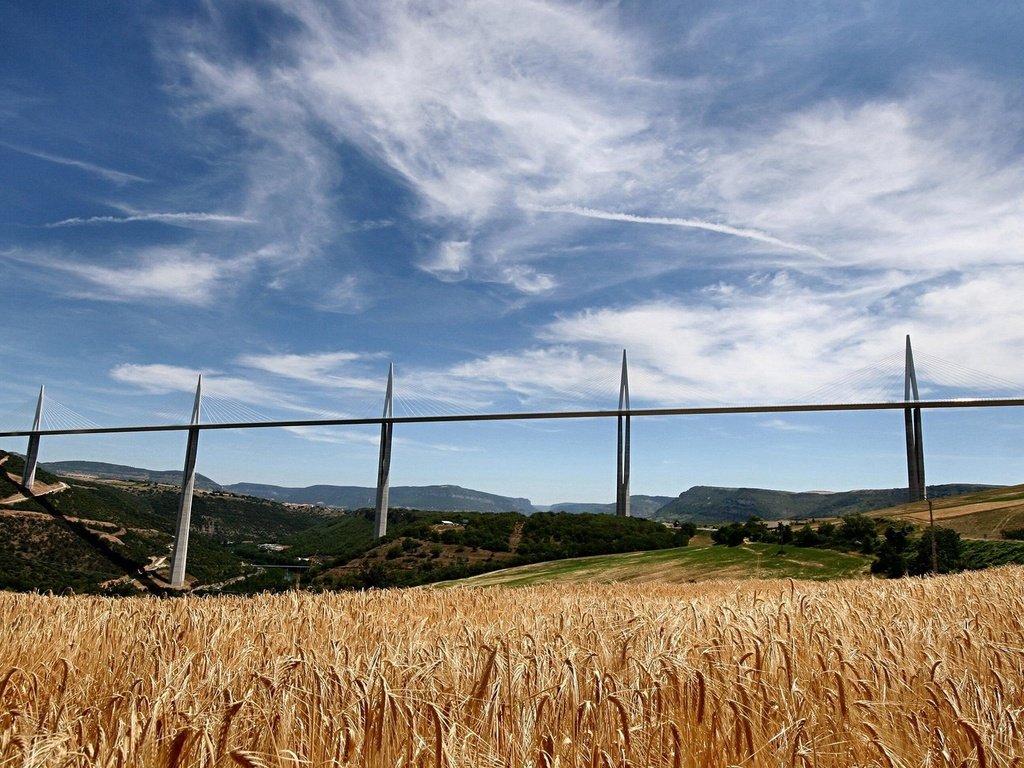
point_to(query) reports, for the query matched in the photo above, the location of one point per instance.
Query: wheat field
(916, 672)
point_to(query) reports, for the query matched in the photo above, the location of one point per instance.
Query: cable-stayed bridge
(52, 419)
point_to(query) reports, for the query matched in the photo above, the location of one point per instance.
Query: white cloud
(335, 435)
(770, 339)
(342, 436)
(526, 279)
(165, 274)
(476, 107)
(160, 378)
(157, 378)
(778, 341)
(491, 110)
(782, 425)
(451, 261)
(536, 377)
(468, 101)
(326, 369)
(914, 183)
(347, 296)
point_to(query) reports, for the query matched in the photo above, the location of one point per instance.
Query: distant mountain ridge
(436, 498)
(700, 504)
(709, 504)
(639, 506)
(102, 470)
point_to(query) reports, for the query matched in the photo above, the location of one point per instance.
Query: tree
(689, 530)
(807, 537)
(892, 555)
(756, 530)
(948, 550)
(731, 535)
(785, 533)
(858, 530)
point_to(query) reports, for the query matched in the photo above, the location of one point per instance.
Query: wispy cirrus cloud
(176, 275)
(177, 219)
(566, 112)
(472, 107)
(346, 296)
(162, 378)
(450, 261)
(328, 369)
(157, 378)
(783, 425)
(921, 181)
(342, 436)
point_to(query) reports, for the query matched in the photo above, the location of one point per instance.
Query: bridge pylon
(380, 518)
(188, 483)
(28, 476)
(912, 424)
(622, 462)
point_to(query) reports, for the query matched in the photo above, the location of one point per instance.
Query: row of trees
(899, 550)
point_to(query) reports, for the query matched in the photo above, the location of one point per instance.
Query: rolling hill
(94, 534)
(682, 565)
(979, 515)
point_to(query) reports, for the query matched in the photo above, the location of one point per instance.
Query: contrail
(118, 177)
(725, 229)
(166, 218)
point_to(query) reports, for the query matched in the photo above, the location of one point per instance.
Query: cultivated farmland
(911, 672)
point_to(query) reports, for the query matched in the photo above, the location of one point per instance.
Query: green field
(684, 564)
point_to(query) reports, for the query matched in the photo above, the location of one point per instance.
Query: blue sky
(757, 200)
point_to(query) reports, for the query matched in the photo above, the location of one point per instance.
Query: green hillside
(96, 536)
(421, 547)
(696, 563)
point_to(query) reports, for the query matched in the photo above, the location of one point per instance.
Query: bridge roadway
(901, 405)
(178, 573)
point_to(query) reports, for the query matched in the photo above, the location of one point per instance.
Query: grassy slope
(978, 517)
(695, 563)
(982, 515)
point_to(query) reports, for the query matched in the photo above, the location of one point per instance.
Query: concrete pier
(188, 483)
(622, 472)
(380, 520)
(28, 478)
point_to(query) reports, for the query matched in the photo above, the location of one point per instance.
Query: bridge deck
(537, 415)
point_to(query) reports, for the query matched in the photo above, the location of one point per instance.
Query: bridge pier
(912, 424)
(380, 519)
(28, 478)
(622, 462)
(188, 482)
